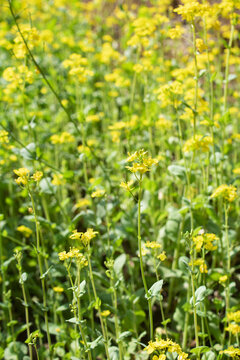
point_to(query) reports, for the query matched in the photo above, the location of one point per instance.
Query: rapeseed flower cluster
(226, 192)
(163, 346)
(84, 238)
(141, 162)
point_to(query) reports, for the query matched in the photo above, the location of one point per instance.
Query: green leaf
(124, 334)
(200, 349)
(46, 272)
(155, 289)
(177, 170)
(95, 343)
(119, 263)
(23, 278)
(113, 353)
(183, 264)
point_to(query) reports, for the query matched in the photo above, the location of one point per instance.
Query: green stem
(39, 257)
(141, 259)
(99, 306)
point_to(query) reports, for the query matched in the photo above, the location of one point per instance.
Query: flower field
(120, 170)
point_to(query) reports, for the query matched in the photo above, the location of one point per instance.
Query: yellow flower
(162, 256)
(200, 45)
(25, 230)
(153, 245)
(141, 162)
(223, 279)
(233, 328)
(236, 171)
(234, 316)
(98, 193)
(84, 238)
(198, 142)
(37, 176)
(82, 203)
(227, 192)
(206, 241)
(58, 289)
(58, 180)
(63, 256)
(23, 176)
(4, 137)
(105, 313)
(127, 185)
(232, 352)
(62, 138)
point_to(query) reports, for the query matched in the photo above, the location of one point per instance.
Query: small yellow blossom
(84, 238)
(82, 203)
(127, 185)
(25, 230)
(37, 176)
(4, 137)
(98, 193)
(162, 256)
(23, 176)
(105, 313)
(153, 245)
(223, 279)
(58, 289)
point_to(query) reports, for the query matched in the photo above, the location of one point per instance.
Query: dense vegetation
(120, 164)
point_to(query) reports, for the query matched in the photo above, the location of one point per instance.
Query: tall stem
(39, 257)
(99, 306)
(141, 259)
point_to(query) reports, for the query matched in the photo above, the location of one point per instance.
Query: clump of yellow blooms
(163, 346)
(169, 93)
(176, 32)
(23, 176)
(78, 67)
(198, 142)
(17, 77)
(74, 253)
(141, 162)
(144, 29)
(62, 138)
(200, 45)
(4, 137)
(191, 9)
(84, 238)
(205, 241)
(202, 265)
(234, 316)
(233, 328)
(25, 230)
(153, 245)
(32, 37)
(226, 192)
(232, 352)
